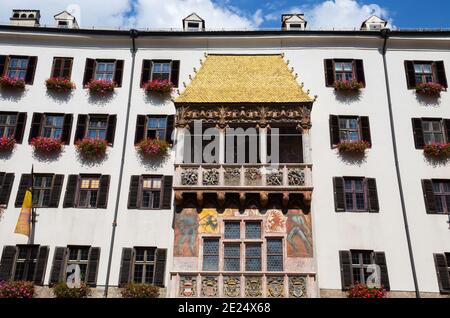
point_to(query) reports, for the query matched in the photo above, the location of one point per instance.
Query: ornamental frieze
(231, 286)
(297, 287)
(210, 286)
(275, 287)
(188, 286)
(261, 115)
(253, 286)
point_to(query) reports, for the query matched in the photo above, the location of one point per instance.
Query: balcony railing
(220, 176)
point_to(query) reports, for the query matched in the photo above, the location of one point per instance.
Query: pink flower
(161, 87)
(101, 87)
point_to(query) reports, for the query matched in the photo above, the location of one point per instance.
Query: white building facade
(388, 207)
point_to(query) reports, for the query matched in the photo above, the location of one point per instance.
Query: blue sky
(235, 14)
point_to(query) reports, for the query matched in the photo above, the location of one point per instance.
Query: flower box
(159, 87)
(92, 148)
(429, 89)
(12, 82)
(61, 290)
(355, 147)
(101, 87)
(152, 148)
(139, 291)
(348, 86)
(59, 84)
(47, 146)
(439, 151)
(363, 291)
(7, 144)
(16, 289)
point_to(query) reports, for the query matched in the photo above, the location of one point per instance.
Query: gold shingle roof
(244, 79)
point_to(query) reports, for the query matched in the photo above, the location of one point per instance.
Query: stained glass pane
(211, 255)
(232, 230)
(253, 230)
(275, 263)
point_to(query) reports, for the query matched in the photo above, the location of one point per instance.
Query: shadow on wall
(353, 159)
(156, 100)
(348, 97)
(47, 158)
(429, 101)
(12, 95)
(436, 162)
(59, 97)
(91, 162)
(153, 163)
(100, 100)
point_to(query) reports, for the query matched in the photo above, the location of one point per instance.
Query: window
(343, 71)
(151, 192)
(432, 131)
(361, 260)
(252, 257)
(42, 190)
(17, 68)
(156, 127)
(144, 265)
(232, 257)
(290, 145)
(63, 24)
(161, 71)
(79, 255)
(62, 67)
(52, 126)
(348, 129)
(97, 127)
(441, 191)
(8, 125)
(193, 26)
(211, 254)
(423, 72)
(274, 255)
(232, 230)
(26, 263)
(355, 196)
(253, 230)
(88, 193)
(104, 70)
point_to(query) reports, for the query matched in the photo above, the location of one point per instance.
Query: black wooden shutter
(360, 77)
(102, 201)
(58, 266)
(31, 70)
(160, 267)
(329, 73)
(380, 260)
(67, 129)
(133, 194)
(118, 75)
(71, 191)
(440, 70)
(166, 202)
(81, 127)
(430, 198)
(36, 123)
(334, 130)
(111, 130)
(175, 73)
(447, 129)
(146, 71)
(7, 262)
(442, 273)
(339, 196)
(5, 191)
(25, 183)
(92, 267)
(56, 190)
(410, 74)
(88, 71)
(418, 133)
(373, 195)
(126, 266)
(169, 128)
(140, 128)
(365, 129)
(345, 260)
(20, 127)
(2, 64)
(41, 265)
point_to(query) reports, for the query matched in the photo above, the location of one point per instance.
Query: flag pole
(33, 212)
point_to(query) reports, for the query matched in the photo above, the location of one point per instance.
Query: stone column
(221, 144)
(263, 144)
(179, 146)
(306, 145)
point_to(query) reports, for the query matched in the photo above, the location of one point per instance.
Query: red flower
(429, 89)
(152, 147)
(7, 144)
(92, 148)
(363, 291)
(46, 145)
(437, 150)
(101, 87)
(159, 87)
(352, 85)
(356, 146)
(60, 84)
(12, 82)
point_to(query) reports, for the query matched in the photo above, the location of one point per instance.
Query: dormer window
(295, 26)
(193, 26)
(193, 23)
(63, 24)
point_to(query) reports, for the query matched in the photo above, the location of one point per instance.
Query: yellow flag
(23, 223)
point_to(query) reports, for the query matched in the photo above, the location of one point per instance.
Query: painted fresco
(207, 223)
(276, 222)
(186, 233)
(299, 234)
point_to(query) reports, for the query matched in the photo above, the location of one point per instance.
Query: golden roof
(244, 79)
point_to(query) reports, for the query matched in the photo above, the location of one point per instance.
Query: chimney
(293, 22)
(28, 18)
(193, 22)
(65, 20)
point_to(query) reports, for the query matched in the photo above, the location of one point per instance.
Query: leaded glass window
(253, 257)
(232, 230)
(274, 255)
(232, 257)
(252, 230)
(211, 254)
